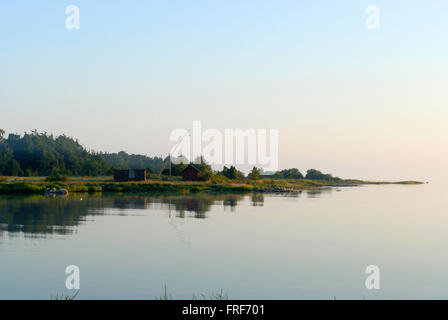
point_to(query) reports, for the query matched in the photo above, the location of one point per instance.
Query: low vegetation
(216, 184)
(57, 177)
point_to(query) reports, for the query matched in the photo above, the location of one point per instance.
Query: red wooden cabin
(191, 173)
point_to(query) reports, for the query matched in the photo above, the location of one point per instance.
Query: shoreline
(89, 185)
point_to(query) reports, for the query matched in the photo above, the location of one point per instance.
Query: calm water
(314, 245)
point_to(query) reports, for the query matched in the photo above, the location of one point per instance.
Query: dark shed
(191, 173)
(129, 175)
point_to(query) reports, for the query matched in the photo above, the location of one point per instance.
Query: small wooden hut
(121, 175)
(191, 173)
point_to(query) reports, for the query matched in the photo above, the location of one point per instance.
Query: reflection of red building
(191, 173)
(191, 204)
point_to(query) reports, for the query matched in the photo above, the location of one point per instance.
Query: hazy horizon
(353, 102)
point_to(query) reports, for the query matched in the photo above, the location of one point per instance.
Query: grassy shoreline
(33, 185)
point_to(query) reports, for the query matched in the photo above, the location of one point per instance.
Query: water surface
(314, 245)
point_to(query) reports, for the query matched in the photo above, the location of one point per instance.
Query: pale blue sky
(348, 100)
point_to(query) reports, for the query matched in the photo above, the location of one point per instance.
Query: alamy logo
(73, 281)
(235, 146)
(373, 280)
(373, 18)
(72, 22)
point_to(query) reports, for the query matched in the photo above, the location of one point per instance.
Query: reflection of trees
(315, 193)
(44, 215)
(40, 215)
(199, 204)
(130, 203)
(257, 199)
(230, 202)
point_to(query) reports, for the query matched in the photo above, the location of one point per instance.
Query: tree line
(42, 154)
(231, 173)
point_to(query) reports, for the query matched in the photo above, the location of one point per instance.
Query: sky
(352, 101)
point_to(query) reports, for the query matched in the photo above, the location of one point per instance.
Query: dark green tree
(314, 174)
(254, 174)
(206, 172)
(37, 153)
(231, 173)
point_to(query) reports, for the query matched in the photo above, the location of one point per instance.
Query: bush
(3, 179)
(314, 174)
(206, 175)
(220, 178)
(254, 174)
(232, 173)
(95, 189)
(57, 177)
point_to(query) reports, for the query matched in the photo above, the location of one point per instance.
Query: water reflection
(40, 215)
(37, 215)
(130, 203)
(257, 199)
(316, 193)
(194, 206)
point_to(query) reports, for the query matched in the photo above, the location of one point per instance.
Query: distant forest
(42, 154)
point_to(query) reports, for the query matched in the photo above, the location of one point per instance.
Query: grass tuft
(65, 297)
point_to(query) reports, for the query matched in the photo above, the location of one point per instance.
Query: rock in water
(62, 191)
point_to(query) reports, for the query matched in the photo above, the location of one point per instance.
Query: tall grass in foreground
(64, 297)
(166, 295)
(221, 295)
